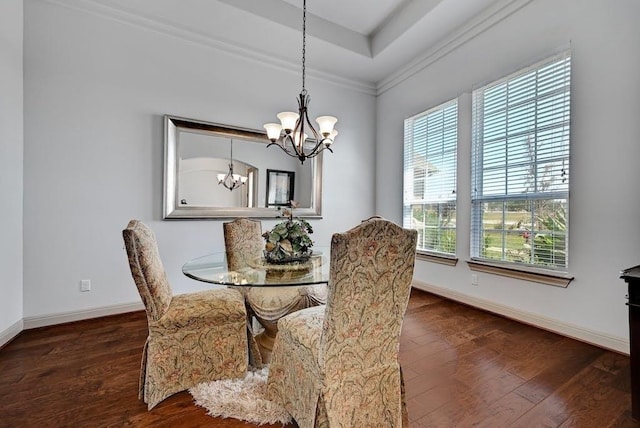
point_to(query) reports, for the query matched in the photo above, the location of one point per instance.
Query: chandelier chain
(231, 180)
(304, 41)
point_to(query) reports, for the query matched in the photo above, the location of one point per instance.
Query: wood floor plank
(463, 367)
(564, 363)
(585, 400)
(501, 413)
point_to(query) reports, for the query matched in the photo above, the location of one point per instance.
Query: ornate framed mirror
(198, 154)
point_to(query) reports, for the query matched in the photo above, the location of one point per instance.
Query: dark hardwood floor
(463, 367)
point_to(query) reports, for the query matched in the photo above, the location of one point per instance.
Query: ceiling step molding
(398, 22)
(227, 46)
(290, 16)
(490, 17)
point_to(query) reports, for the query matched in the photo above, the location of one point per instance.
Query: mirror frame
(171, 209)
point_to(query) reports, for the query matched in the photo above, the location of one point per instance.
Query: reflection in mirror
(197, 152)
(201, 158)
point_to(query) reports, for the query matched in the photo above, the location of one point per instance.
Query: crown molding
(490, 17)
(228, 47)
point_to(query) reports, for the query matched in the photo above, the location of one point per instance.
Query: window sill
(437, 258)
(528, 274)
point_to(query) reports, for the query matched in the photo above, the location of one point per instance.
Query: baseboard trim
(573, 331)
(606, 341)
(63, 317)
(8, 334)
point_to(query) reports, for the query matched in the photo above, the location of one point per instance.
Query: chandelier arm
(281, 146)
(304, 101)
(321, 149)
(316, 153)
(299, 128)
(289, 140)
(293, 151)
(316, 136)
(295, 154)
(299, 147)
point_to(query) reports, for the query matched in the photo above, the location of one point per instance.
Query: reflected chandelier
(298, 141)
(230, 180)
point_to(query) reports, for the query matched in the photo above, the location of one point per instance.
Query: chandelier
(301, 140)
(230, 180)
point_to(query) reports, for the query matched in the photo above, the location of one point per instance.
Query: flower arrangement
(289, 240)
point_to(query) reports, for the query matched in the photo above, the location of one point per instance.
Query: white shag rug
(240, 399)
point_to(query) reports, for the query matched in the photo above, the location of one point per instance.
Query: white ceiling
(367, 44)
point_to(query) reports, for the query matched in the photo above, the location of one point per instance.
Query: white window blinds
(520, 166)
(430, 162)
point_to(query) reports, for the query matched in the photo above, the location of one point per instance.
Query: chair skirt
(317, 398)
(202, 337)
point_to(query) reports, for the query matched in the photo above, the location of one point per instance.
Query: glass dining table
(213, 269)
(271, 291)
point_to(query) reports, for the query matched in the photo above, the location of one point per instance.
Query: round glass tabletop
(213, 268)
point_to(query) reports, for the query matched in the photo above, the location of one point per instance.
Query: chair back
(368, 292)
(147, 269)
(243, 242)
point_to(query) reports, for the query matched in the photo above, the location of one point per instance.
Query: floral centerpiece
(289, 240)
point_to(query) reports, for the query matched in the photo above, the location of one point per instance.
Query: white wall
(11, 147)
(95, 92)
(604, 203)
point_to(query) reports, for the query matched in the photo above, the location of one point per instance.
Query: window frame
(448, 145)
(478, 198)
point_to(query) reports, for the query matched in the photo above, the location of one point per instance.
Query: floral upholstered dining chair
(244, 245)
(337, 365)
(193, 338)
(243, 242)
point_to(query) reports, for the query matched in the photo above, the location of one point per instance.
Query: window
(520, 167)
(430, 162)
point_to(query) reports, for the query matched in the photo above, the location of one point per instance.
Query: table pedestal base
(269, 304)
(265, 345)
